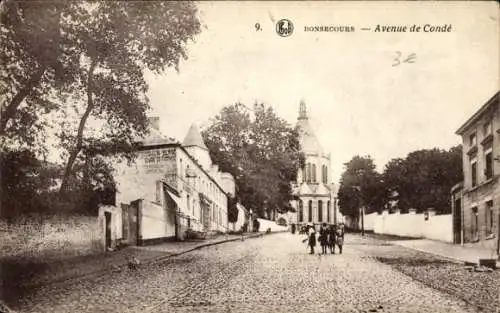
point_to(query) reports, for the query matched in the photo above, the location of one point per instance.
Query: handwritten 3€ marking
(409, 59)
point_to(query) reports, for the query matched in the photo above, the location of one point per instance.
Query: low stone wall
(54, 236)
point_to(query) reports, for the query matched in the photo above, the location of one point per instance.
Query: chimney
(154, 122)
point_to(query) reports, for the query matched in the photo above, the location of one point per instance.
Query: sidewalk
(467, 253)
(21, 274)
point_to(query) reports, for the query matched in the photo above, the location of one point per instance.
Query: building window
(325, 179)
(188, 204)
(489, 217)
(472, 139)
(473, 169)
(301, 211)
(475, 224)
(488, 161)
(320, 211)
(310, 211)
(487, 129)
(314, 173)
(328, 217)
(308, 172)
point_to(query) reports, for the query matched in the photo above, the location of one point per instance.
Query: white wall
(155, 223)
(437, 227)
(265, 224)
(241, 219)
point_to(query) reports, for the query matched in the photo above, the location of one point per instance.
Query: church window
(320, 211)
(310, 211)
(328, 211)
(308, 172)
(301, 211)
(314, 173)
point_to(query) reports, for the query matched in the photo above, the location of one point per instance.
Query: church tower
(313, 186)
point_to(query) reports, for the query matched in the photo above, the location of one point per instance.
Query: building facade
(313, 186)
(475, 205)
(177, 186)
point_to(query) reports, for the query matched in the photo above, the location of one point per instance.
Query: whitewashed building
(172, 187)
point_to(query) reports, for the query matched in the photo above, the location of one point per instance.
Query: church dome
(307, 138)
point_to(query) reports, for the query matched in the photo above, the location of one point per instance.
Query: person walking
(332, 237)
(323, 238)
(340, 237)
(311, 239)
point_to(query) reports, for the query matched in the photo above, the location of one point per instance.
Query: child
(340, 238)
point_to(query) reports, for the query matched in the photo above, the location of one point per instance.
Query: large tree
(262, 152)
(424, 178)
(361, 185)
(88, 58)
(32, 34)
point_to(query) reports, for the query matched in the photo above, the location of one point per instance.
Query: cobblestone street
(276, 274)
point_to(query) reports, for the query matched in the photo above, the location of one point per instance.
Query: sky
(358, 102)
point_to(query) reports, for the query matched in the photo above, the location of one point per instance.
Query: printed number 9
(257, 27)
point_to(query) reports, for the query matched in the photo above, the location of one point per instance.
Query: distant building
(475, 205)
(313, 187)
(172, 187)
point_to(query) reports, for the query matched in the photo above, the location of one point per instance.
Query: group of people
(329, 237)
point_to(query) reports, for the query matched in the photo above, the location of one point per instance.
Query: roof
(155, 138)
(193, 138)
(308, 140)
(476, 116)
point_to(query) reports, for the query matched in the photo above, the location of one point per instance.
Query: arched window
(320, 211)
(328, 217)
(308, 172)
(301, 211)
(314, 173)
(326, 174)
(310, 211)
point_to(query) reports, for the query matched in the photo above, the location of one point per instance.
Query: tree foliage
(31, 36)
(89, 59)
(360, 185)
(76, 69)
(262, 152)
(424, 178)
(29, 185)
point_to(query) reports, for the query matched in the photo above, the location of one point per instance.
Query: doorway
(107, 217)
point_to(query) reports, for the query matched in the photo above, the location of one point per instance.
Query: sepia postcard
(249, 156)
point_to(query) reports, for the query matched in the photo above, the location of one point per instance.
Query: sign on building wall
(160, 161)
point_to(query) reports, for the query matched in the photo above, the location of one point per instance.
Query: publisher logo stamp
(284, 28)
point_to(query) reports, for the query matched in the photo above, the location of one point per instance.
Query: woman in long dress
(332, 237)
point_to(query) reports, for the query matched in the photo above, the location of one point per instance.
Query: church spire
(302, 110)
